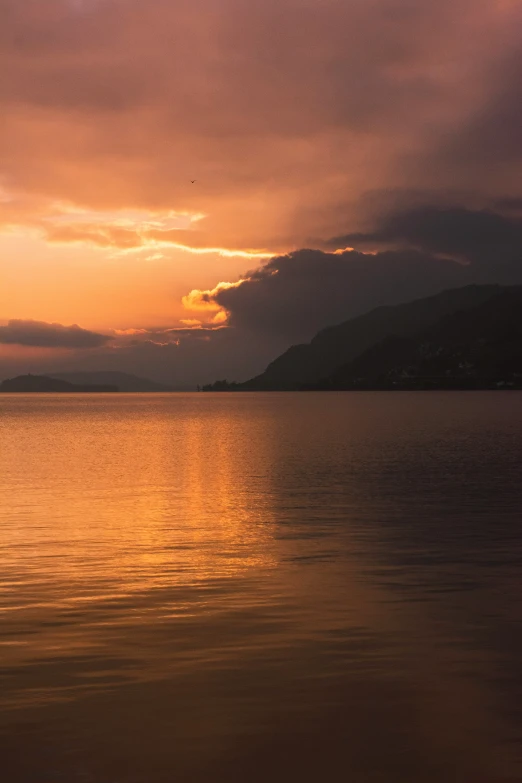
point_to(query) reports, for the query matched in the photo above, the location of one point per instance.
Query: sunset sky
(347, 153)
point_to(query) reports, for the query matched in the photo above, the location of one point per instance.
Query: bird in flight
(192, 180)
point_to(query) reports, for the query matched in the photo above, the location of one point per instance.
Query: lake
(261, 587)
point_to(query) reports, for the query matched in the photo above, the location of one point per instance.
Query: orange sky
(295, 117)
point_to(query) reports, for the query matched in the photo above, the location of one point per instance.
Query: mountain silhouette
(480, 347)
(310, 363)
(385, 340)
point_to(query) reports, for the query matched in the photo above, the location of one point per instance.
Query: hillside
(480, 347)
(306, 364)
(124, 381)
(42, 383)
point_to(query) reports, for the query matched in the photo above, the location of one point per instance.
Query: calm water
(261, 587)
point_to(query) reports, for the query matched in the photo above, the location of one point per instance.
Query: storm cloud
(422, 251)
(491, 241)
(285, 112)
(391, 126)
(295, 295)
(44, 335)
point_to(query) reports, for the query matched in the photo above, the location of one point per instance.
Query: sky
(346, 154)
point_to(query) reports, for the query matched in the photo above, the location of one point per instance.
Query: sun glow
(138, 220)
(122, 231)
(156, 244)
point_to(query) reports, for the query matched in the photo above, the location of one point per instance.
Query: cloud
(193, 357)
(293, 296)
(190, 330)
(45, 335)
(235, 328)
(130, 238)
(283, 126)
(100, 235)
(489, 240)
(206, 303)
(509, 204)
(411, 254)
(490, 139)
(300, 121)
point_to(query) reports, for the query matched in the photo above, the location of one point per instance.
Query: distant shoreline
(364, 391)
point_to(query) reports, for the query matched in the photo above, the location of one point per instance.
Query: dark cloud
(44, 335)
(492, 135)
(509, 204)
(284, 124)
(422, 251)
(488, 240)
(196, 358)
(291, 297)
(297, 294)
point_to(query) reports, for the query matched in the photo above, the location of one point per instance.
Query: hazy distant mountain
(42, 383)
(124, 381)
(480, 347)
(336, 346)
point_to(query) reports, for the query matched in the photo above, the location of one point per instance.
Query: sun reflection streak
(135, 514)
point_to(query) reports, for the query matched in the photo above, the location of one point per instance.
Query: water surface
(261, 587)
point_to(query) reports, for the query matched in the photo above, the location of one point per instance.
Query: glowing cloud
(206, 301)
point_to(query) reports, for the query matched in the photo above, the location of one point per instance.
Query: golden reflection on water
(127, 516)
(135, 503)
(284, 569)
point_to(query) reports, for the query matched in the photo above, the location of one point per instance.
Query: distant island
(126, 382)
(464, 338)
(98, 381)
(42, 383)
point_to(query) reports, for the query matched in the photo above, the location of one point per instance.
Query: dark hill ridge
(305, 365)
(41, 383)
(124, 381)
(337, 345)
(477, 348)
